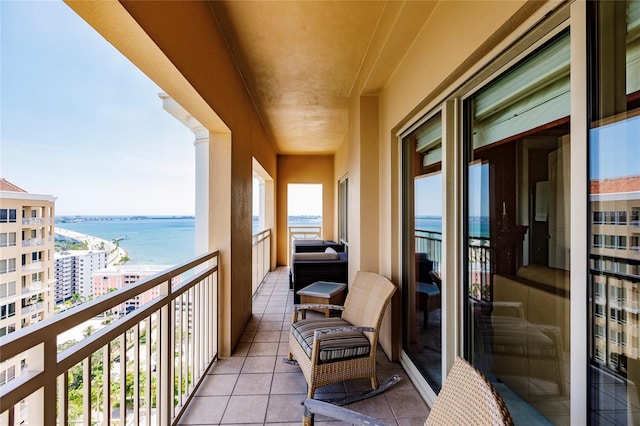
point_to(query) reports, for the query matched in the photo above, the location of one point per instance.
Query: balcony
(33, 242)
(180, 369)
(33, 266)
(255, 376)
(26, 310)
(35, 286)
(33, 221)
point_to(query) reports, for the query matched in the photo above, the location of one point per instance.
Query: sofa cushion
(315, 256)
(518, 337)
(334, 347)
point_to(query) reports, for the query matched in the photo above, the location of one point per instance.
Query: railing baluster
(179, 327)
(136, 375)
(149, 370)
(191, 324)
(123, 379)
(201, 329)
(165, 358)
(86, 391)
(106, 384)
(63, 398)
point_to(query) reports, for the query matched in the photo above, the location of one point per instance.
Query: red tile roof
(608, 186)
(5, 185)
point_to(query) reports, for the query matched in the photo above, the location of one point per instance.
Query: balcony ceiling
(301, 60)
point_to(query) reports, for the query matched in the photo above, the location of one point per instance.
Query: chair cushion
(335, 347)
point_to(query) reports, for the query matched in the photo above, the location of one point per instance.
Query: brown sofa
(525, 330)
(543, 293)
(317, 260)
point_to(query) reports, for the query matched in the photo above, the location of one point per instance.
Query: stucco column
(202, 191)
(201, 144)
(220, 235)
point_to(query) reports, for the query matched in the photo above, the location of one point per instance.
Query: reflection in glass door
(614, 204)
(517, 234)
(422, 286)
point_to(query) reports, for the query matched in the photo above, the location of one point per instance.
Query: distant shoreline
(89, 218)
(116, 253)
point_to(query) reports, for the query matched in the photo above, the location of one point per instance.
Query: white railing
(261, 257)
(25, 310)
(303, 233)
(33, 242)
(142, 368)
(33, 266)
(36, 286)
(33, 221)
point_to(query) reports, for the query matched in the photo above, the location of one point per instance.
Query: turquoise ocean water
(171, 241)
(148, 241)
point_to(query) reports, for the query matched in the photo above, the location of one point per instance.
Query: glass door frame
(571, 15)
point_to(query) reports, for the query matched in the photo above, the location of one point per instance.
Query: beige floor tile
(412, 421)
(262, 349)
(270, 326)
(252, 326)
(246, 409)
(267, 336)
(273, 309)
(227, 365)
(242, 349)
(285, 408)
(247, 336)
(217, 385)
(279, 317)
(253, 384)
(207, 410)
(288, 383)
(259, 364)
(376, 407)
(284, 367)
(283, 349)
(407, 403)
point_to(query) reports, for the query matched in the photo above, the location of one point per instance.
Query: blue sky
(615, 150)
(81, 123)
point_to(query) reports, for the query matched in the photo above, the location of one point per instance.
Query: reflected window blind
(429, 141)
(534, 93)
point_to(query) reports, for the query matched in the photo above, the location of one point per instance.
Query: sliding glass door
(614, 203)
(517, 284)
(422, 284)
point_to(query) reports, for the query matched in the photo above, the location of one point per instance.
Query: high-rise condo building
(74, 271)
(27, 275)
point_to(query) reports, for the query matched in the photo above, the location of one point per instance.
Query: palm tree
(88, 331)
(75, 299)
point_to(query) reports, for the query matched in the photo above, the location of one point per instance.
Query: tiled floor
(254, 386)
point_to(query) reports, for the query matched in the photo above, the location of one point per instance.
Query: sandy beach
(116, 253)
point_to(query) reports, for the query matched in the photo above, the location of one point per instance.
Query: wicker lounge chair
(467, 398)
(331, 350)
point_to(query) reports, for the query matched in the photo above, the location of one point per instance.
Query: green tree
(88, 331)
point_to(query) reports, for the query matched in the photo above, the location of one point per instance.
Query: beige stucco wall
(304, 169)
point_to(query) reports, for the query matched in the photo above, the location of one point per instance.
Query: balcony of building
(179, 365)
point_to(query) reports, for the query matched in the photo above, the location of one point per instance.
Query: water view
(148, 240)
